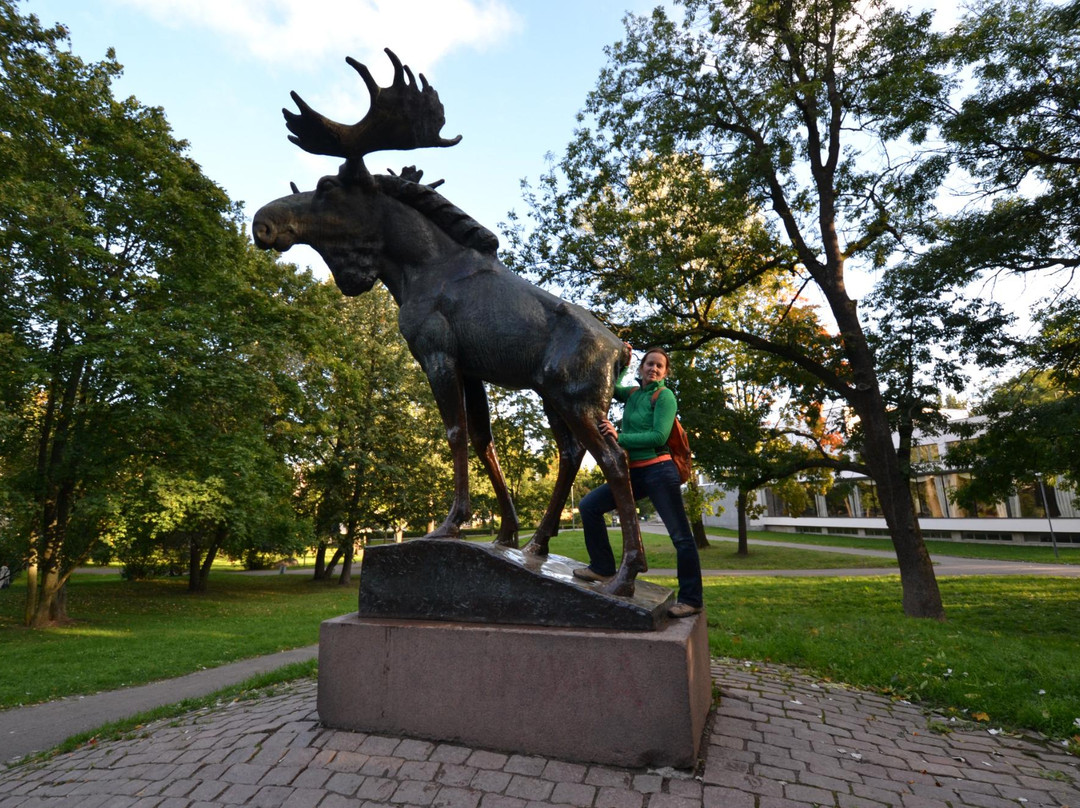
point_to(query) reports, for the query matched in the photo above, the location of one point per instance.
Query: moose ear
(295, 190)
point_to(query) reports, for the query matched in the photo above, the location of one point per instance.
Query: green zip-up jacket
(645, 426)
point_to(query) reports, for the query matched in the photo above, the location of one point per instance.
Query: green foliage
(370, 446)
(526, 453)
(142, 381)
(1017, 138)
(1030, 431)
(758, 148)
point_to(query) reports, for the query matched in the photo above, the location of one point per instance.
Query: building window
(838, 501)
(924, 491)
(927, 453)
(982, 510)
(868, 499)
(774, 506)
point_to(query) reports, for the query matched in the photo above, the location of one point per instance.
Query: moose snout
(270, 237)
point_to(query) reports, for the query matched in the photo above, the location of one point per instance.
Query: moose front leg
(449, 395)
(478, 415)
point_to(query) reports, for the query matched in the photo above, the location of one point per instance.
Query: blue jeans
(660, 483)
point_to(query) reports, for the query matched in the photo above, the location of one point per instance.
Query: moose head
(344, 219)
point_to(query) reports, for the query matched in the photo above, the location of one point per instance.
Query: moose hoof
(510, 541)
(444, 532)
(621, 586)
(535, 548)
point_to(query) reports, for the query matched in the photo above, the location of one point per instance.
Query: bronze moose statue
(467, 319)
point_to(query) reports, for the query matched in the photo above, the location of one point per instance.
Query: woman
(647, 419)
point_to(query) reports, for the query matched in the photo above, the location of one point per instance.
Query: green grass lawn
(1007, 650)
(1036, 553)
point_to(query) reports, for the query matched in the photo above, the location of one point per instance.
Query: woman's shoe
(683, 610)
(586, 574)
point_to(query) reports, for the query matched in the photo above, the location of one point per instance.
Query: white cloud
(307, 33)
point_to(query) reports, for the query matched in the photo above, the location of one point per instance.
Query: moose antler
(402, 116)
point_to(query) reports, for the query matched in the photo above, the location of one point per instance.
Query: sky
(512, 75)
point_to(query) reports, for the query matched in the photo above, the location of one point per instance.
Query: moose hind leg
(479, 417)
(571, 453)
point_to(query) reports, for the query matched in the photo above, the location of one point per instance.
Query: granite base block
(612, 697)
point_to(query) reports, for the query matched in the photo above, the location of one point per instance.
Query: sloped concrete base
(437, 579)
(612, 697)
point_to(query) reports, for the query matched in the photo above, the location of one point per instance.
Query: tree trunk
(199, 573)
(194, 555)
(744, 547)
(921, 596)
(58, 606)
(346, 562)
(328, 573)
(49, 587)
(320, 561)
(31, 589)
(211, 554)
(701, 538)
(345, 578)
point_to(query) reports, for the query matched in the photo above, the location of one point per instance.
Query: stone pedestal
(621, 698)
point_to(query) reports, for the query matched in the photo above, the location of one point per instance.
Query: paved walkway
(39, 727)
(779, 739)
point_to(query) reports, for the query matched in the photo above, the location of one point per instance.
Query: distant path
(943, 565)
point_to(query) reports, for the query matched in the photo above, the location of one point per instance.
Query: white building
(851, 508)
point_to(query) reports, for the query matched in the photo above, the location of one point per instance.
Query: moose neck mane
(449, 218)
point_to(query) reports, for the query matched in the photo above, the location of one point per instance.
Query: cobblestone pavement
(778, 739)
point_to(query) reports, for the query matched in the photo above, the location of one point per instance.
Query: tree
(753, 425)
(525, 450)
(1016, 135)
(1016, 138)
(213, 473)
(372, 449)
(129, 292)
(927, 337)
(795, 108)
